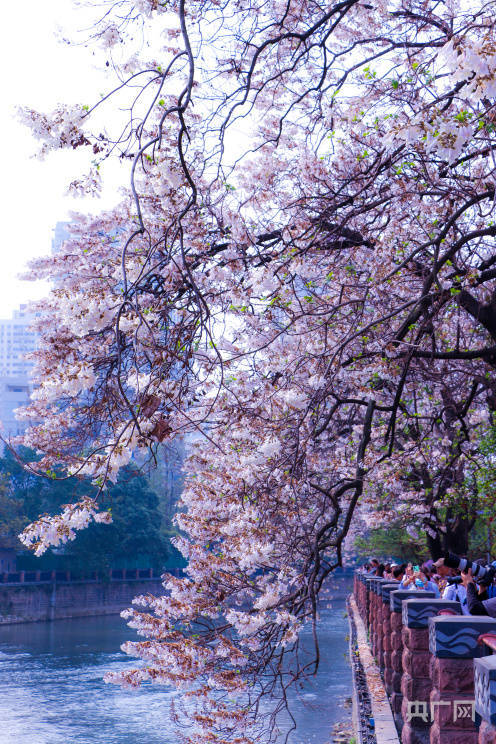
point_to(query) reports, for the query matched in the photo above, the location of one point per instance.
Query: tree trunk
(455, 539)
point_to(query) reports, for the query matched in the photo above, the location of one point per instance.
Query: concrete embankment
(42, 601)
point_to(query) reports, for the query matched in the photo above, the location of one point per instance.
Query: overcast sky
(40, 71)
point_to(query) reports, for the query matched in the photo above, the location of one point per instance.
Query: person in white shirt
(457, 593)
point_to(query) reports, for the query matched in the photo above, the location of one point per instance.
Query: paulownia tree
(300, 278)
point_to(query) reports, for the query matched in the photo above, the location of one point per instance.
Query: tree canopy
(301, 277)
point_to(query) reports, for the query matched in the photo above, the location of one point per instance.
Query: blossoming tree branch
(300, 278)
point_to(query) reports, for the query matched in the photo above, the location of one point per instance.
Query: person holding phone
(407, 582)
(417, 580)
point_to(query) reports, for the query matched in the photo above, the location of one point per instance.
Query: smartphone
(416, 569)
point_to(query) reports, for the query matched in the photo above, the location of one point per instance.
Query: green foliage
(133, 540)
(482, 543)
(486, 472)
(483, 479)
(392, 541)
(12, 518)
(35, 495)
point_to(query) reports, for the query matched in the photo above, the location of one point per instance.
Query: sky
(39, 71)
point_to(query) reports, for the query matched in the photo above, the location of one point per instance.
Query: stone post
(376, 625)
(453, 643)
(373, 616)
(396, 598)
(360, 592)
(388, 636)
(368, 585)
(357, 591)
(385, 624)
(416, 681)
(485, 697)
(365, 600)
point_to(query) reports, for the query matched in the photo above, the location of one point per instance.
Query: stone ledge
(457, 637)
(416, 612)
(396, 597)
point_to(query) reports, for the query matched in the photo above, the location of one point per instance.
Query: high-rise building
(16, 340)
(60, 234)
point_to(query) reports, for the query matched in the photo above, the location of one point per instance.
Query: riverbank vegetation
(301, 278)
(136, 538)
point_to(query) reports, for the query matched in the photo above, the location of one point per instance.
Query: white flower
(110, 37)
(270, 447)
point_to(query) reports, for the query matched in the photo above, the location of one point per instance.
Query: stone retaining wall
(24, 603)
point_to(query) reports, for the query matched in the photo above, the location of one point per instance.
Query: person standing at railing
(457, 592)
(477, 597)
(417, 580)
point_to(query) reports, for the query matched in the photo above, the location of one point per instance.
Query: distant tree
(135, 532)
(166, 478)
(35, 495)
(12, 515)
(393, 541)
(134, 537)
(483, 480)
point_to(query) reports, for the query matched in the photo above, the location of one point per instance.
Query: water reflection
(51, 688)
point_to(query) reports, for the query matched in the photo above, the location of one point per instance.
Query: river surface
(51, 688)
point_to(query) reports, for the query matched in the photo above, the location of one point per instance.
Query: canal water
(51, 688)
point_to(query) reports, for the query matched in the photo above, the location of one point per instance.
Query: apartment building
(16, 340)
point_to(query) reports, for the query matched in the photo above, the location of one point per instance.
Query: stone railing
(416, 683)
(438, 666)
(485, 691)
(398, 638)
(49, 577)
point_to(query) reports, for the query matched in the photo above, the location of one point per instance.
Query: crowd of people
(475, 597)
